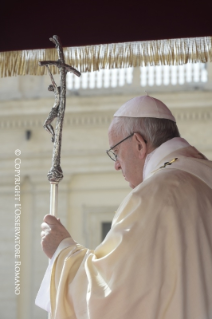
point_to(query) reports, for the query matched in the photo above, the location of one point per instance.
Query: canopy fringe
(115, 55)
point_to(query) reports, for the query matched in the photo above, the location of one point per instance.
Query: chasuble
(156, 261)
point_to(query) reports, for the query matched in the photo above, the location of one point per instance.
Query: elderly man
(156, 261)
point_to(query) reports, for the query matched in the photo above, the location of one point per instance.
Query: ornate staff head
(58, 110)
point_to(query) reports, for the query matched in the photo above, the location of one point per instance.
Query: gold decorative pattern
(165, 164)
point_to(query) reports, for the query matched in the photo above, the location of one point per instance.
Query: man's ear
(140, 145)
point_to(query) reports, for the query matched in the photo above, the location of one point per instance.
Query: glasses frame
(117, 145)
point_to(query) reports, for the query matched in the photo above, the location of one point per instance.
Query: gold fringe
(116, 55)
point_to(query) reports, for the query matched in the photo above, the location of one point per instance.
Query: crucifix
(55, 174)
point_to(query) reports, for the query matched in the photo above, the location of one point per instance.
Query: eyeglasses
(111, 154)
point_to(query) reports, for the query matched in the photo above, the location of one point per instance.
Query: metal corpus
(55, 174)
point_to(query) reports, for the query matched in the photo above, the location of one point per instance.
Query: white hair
(155, 131)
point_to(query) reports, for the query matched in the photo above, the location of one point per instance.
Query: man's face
(130, 157)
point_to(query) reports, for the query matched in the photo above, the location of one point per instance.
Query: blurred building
(91, 189)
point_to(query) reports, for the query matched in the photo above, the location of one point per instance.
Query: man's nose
(117, 165)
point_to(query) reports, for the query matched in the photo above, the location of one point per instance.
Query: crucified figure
(54, 111)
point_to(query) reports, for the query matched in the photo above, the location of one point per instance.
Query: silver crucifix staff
(58, 110)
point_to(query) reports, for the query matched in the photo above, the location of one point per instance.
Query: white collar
(153, 158)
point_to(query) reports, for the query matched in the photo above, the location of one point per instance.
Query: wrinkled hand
(53, 232)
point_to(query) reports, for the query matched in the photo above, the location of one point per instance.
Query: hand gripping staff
(55, 174)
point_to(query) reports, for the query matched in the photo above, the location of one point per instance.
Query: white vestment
(156, 261)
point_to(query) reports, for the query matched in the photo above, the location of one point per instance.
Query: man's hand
(53, 232)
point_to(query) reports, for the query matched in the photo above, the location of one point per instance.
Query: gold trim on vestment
(165, 164)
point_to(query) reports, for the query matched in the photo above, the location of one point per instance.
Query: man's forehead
(113, 132)
(113, 136)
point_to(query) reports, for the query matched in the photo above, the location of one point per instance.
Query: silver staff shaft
(53, 199)
(53, 208)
